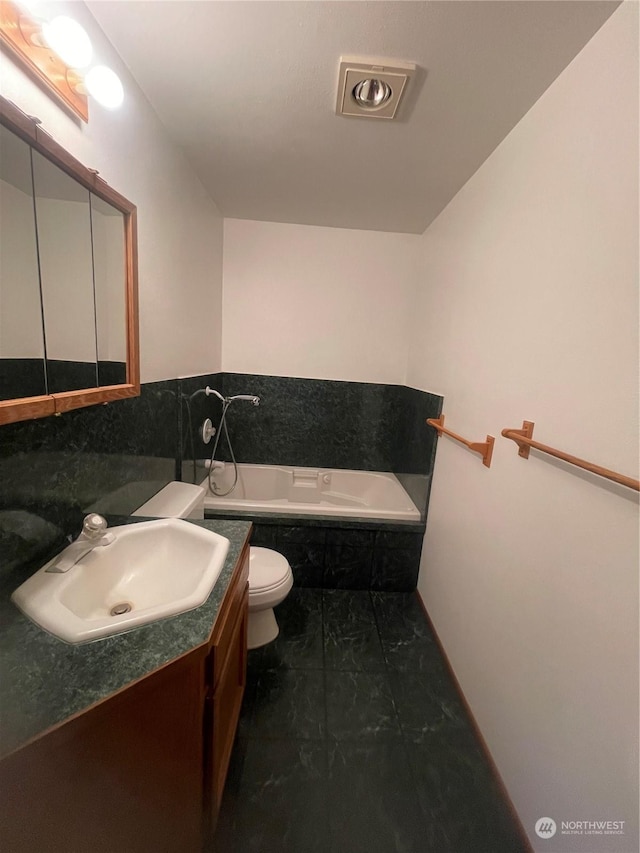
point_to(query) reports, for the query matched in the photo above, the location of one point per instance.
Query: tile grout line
(403, 736)
(387, 668)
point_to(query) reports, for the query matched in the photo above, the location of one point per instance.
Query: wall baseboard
(476, 729)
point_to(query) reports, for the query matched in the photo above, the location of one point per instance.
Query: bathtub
(311, 491)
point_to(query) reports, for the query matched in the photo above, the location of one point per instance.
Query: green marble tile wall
(113, 458)
(104, 458)
(318, 422)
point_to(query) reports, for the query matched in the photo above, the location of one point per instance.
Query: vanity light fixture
(69, 40)
(55, 54)
(104, 85)
(372, 88)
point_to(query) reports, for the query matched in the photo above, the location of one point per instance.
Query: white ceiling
(248, 90)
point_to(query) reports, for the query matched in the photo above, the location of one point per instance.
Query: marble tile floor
(353, 739)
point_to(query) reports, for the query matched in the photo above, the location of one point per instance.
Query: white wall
(179, 226)
(527, 308)
(319, 303)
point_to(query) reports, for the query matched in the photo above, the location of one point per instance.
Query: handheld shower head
(250, 398)
(226, 402)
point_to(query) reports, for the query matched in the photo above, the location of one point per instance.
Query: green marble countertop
(44, 681)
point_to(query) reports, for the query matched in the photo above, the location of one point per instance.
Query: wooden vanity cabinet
(143, 771)
(124, 776)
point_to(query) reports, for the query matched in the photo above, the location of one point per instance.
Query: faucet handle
(94, 525)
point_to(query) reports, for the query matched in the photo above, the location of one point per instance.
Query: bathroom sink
(149, 571)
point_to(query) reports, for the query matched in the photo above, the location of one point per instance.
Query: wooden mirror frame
(27, 408)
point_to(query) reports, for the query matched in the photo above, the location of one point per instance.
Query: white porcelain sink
(151, 570)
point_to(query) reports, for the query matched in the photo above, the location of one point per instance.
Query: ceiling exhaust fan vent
(372, 88)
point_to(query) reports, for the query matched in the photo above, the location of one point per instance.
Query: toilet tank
(175, 500)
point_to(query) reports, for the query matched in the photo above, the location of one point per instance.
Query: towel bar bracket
(525, 432)
(484, 448)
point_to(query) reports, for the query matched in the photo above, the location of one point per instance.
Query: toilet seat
(268, 570)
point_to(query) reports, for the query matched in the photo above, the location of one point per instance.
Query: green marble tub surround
(341, 553)
(46, 681)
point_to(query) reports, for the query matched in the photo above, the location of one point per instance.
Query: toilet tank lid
(175, 500)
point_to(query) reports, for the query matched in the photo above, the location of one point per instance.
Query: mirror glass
(68, 279)
(109, 264)
(63, 225)
(22, 365)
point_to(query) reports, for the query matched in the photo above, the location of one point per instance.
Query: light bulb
(371, 94)
(104, 85)
(69, 40)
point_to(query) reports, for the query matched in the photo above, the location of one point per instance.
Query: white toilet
(270, 576)
(270, 581)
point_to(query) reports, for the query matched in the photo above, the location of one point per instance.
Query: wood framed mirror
(68, 279)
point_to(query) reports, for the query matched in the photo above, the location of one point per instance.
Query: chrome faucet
(93, 535)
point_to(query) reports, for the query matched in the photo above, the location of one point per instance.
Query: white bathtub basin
(151, 570)
(312, 491)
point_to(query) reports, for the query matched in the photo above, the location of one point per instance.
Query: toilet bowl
(270, 581)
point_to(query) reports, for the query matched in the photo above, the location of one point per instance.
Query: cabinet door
(225, 704)
(124, 776)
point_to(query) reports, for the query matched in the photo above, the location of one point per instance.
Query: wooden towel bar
(522, 438)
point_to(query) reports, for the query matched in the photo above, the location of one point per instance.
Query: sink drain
(119, 609)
